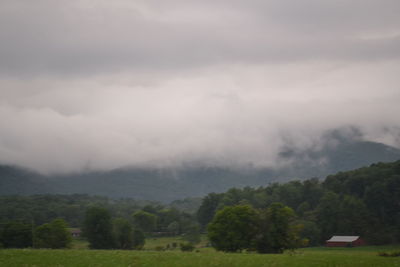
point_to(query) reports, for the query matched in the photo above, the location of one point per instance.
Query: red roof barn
(344, 241)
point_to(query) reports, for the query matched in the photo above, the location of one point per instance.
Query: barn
(75, 232)
(344, 241)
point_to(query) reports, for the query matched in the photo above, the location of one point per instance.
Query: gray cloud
(160, 82)
(81, 37)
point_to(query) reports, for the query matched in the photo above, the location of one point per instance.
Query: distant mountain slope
(169, 184)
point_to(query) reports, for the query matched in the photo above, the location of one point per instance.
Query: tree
(173, 227)
(17, 235)
(208, 208)
(328, 214)
(98, 228)
(144, 220)
(52, 235)
(123, 234)
(139, 239)
(192, 234)
(276, 232)
(233, 228)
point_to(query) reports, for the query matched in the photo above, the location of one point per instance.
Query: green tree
(192, 234)
(328, 214)
(139, 239)
(173, 227)
(233, 228)
(52, 235)
(145, 221)
(123, 234)
(98, 228)
(311, 232)
(208, 208)
(353, 216)
(17, 235)
(276, 232)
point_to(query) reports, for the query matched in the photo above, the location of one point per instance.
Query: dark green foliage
(187, 247)
(123, 233)
(98, 228)
(362, 202)
(310, 231)
(192, 234)
(72, 208)
(208, 208)
(139, 239)
(52, 235)
(276, 232)
(17, 235)
(144, 220)
(233, 228)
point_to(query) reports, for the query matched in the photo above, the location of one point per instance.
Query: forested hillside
(362, 202)
(195, 179)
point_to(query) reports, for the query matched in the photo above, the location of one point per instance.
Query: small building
(344, 241)
(75, 232)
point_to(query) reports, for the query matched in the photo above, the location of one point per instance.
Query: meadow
(79, 256)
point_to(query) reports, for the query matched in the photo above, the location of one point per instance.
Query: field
(366, 256)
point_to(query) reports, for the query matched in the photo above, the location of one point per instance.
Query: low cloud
(106, 85)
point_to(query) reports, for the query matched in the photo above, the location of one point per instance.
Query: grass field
(364, 256)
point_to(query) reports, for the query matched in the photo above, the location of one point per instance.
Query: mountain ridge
(168, 184)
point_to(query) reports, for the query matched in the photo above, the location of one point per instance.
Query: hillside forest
(363, 202)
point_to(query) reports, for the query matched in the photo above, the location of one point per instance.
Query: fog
(100, 85)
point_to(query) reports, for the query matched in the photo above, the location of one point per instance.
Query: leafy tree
(123, 233)
(328, 214)
(276, 232)
(311, 232)
(144, 220)
(233, 228)
(52, 235)
(353, 216)
(173, 227)
(139, 239)
(17, 235)
(98, 228)
(208, 208)
(192, 234)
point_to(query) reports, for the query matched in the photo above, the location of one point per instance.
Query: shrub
(389, 254)
(187, 247)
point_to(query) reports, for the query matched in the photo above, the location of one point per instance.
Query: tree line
(20, 216)
(362, 202)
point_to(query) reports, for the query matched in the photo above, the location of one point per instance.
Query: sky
(102, 84)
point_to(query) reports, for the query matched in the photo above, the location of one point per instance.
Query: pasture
(365, 256)
(79, 255)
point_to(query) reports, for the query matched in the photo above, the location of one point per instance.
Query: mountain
(168, 184)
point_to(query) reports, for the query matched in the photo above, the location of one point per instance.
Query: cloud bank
(99, 85)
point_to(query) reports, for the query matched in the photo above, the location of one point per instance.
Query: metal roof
(338, 238)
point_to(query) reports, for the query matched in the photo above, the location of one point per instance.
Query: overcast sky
(103, 84)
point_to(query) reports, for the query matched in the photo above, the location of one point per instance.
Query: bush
(187, 247)
(389, 254)
(159, 248)
(52, 235)
(17, 235)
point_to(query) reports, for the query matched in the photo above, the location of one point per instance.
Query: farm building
(344, 241)
(75, 232)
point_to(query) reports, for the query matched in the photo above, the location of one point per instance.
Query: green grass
(366, 256)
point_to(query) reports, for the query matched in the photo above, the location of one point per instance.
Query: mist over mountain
(339, 151)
